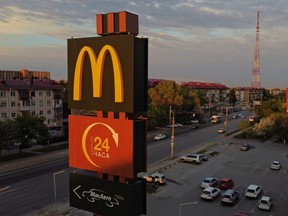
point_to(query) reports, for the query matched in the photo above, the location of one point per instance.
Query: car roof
(229, 191)
(265, 198)
(253, 186)
(209, 189)
(275, 162)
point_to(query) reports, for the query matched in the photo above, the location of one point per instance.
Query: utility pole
(172, 135)
(226, 120)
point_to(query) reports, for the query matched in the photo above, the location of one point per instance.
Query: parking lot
(181, 194)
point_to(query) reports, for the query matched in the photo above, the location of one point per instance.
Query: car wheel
(182, 160)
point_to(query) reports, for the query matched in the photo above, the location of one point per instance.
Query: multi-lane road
(25, 191)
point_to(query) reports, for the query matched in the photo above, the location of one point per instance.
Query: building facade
(39, 97)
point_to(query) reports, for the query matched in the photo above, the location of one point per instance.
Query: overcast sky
(189, 40)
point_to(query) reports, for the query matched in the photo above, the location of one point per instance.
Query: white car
(275, 165)
(210, 193)
(209, 182)
(159, 137)
(253, 191)
(265, 203)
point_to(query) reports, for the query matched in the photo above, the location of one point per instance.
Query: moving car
(275, 165)
(265, 203)
(226, 183)
(221, 130)
(253, 191)
(230, 196)
(209, 182)
(210, 193)
(159, 137)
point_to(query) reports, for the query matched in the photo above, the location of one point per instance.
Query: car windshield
(251, 191)
(226, 196)
(264, 201)
(207, 181)
(206, 192)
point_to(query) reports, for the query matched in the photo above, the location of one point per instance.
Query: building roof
(33, 84)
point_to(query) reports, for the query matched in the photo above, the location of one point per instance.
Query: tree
(232, 97)
(7, 131)
(166, 94)
(30, 128)
(244, 126)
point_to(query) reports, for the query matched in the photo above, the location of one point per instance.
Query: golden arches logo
(97, 66)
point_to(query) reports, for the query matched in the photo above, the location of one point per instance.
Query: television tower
(256, 62)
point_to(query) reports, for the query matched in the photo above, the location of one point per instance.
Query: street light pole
(172, 136)
(54, 181)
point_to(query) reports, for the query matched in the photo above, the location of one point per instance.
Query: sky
(189, 40)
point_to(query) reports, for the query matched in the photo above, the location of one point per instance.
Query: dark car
(230, 197)
(226, 183)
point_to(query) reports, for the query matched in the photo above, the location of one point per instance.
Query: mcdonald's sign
(108, 73)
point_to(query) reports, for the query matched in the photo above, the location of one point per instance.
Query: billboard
(108, 73)
(107, 145)
(107, 198)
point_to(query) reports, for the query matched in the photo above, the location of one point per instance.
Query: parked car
(194, 126)
(265, 203)
(159, 137)
(253, 191)
(204, 157)
(157, 178)
(210, 193)
(226, 183)
(192, 158)
(275, 165)
(209, 182)
(221, 130)
(230, 196)
(234, 116)
(245, 147)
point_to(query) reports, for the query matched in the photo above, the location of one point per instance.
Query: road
(34, 189)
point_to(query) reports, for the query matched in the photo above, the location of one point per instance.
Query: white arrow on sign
(74, 190)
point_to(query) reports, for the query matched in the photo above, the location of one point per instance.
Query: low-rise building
(39, 97)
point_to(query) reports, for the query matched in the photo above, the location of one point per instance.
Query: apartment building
(39, 97)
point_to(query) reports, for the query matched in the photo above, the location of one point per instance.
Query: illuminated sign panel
(107, 198)
(106, 145)
(108, 73)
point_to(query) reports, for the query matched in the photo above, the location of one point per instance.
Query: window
(41, 112)
(13, 93)
(13, 104)
(33, 113)
(40, 93)
(41, 103)
(49, 112)
(32, 93)
(3, 104)
(3, 115)
(48, 93)
(26, 103)
(48, 103)
(32, 103)
(13, 115)
(2, 93)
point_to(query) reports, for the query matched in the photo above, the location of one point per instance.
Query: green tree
(166, 94)
(244, 126)
(232, 97)
(30, 128)
(7, 131)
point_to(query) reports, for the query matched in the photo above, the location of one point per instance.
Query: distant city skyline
(189, 40)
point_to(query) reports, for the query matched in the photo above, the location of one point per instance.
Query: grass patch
(214, 153)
